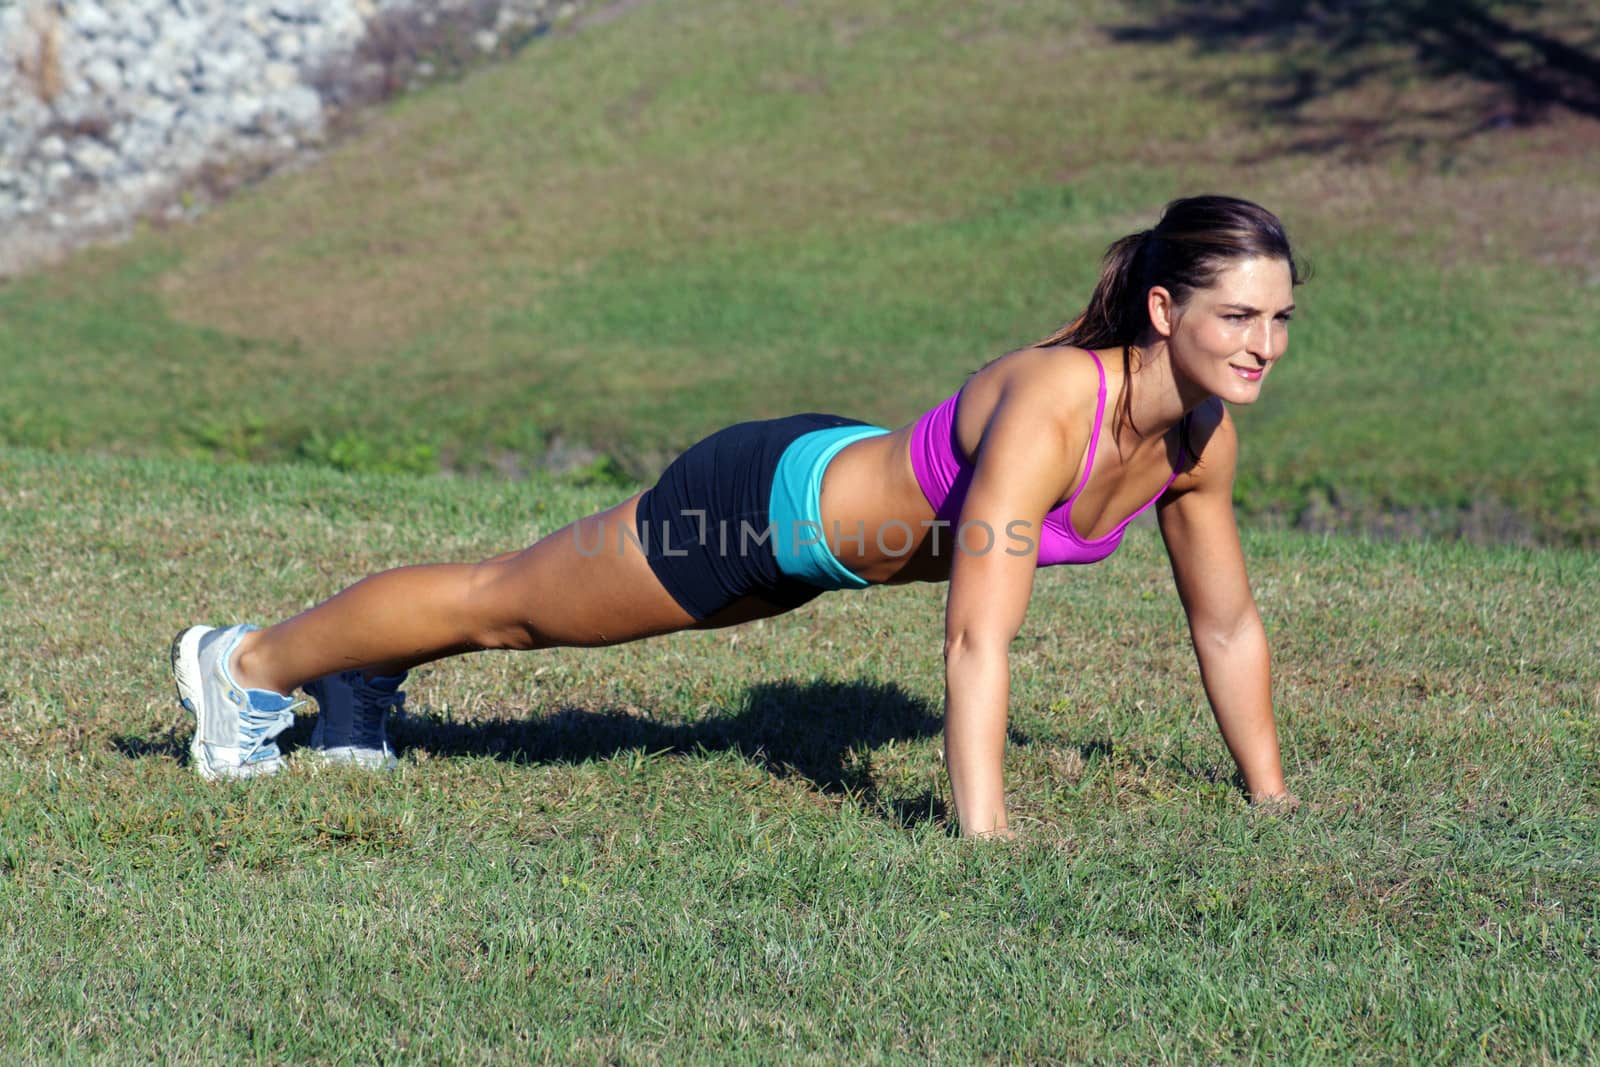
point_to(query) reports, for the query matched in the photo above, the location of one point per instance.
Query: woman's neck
(1160, 398)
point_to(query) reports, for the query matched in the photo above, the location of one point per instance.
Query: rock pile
(110, 108)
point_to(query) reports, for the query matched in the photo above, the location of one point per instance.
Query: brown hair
(1196, 239)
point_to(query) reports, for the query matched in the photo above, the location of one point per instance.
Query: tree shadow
(1528, 58)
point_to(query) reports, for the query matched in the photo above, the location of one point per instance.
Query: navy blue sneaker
(351, 722)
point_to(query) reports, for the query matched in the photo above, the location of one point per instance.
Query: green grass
(733, 845)
(709, 211)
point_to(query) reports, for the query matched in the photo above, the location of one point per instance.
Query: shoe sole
(186, 674)
(366, 759)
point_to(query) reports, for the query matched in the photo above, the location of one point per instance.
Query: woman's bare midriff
(877, 521)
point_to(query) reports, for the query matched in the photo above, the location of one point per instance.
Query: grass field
(736, 846)
(731, 845)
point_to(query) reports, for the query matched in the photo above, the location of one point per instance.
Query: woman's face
(1227, 338)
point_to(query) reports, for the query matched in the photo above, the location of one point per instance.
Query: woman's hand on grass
(1284, 803)
(1003, 833)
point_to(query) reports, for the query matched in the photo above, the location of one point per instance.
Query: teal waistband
(795, 510)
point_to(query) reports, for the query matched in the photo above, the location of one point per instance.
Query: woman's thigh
(587, 584)
(743, 610)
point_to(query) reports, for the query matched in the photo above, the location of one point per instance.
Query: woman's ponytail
(1109, 317)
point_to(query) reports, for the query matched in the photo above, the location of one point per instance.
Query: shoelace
(259, 727)
(372, 704)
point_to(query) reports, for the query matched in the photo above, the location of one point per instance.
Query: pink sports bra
(944, 475)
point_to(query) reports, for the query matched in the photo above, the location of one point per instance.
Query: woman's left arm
(1230, 642)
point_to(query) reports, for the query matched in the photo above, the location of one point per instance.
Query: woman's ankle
(246, 666)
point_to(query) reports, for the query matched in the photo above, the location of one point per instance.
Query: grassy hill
(705, 211)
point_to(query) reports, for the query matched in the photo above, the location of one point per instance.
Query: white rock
(295, 11)
(104, 74)
(221, 70)
(158, 88)
(78, 109)
(277, 76)
(179, 35)
(159, 115)
(90, 19)
(245, 110)
(140, 143)
(138, 73)
(94, 158)
(143, 183)
(182, 152)
(342, 24)
(168, 86)
(156, 18)
(21, 112)
(204, 113)
(286, 45)
(300, 107)
(131, 106)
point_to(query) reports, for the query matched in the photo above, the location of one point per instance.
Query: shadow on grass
(823, 732)
(1527, 56)
(169, 745)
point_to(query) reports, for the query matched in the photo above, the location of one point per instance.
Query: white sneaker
(233, 726)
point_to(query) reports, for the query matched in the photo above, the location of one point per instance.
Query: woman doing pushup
(1041, 458)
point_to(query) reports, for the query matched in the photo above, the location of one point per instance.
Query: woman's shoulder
(1045, 394)
(1063, 378)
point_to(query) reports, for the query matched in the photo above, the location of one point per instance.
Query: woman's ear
(1163, 310)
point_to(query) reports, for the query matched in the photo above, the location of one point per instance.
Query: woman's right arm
(1018, 475)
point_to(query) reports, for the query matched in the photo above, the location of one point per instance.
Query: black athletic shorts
(704, 526)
